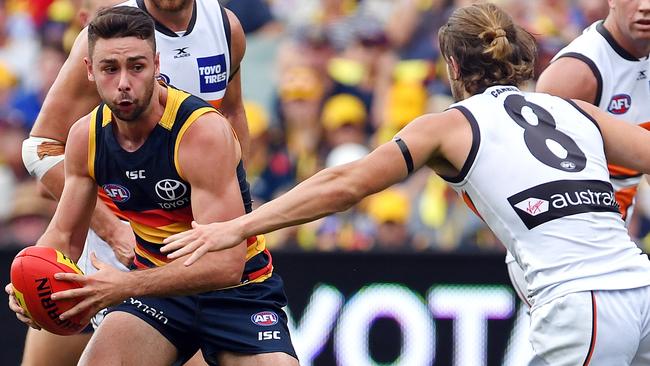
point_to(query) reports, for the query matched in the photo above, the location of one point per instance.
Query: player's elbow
(236, 273)
(347, 192)
(233, 272)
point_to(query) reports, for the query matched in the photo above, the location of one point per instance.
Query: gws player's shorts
(94, 244)
(594, 328)
(247, 319)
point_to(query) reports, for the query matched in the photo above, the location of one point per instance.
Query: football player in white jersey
(198, 33)
(607, 66)
(553, 206)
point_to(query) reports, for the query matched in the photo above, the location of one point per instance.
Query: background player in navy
(168, 138)
(534, 167)
(207, 30)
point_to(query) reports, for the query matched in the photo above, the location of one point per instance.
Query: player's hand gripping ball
(32, 276)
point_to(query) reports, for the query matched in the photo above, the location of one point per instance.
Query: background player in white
(534, 166)
(606, 66)
(207, 33)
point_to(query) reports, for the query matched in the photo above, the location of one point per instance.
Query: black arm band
(408, 159)
(232, 75)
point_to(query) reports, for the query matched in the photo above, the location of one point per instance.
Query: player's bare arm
(428, 139)
(555, 80)
(232, 106)
(207, 152)
(625, 144)
(71, 97)
(72, 217)
(69, 226)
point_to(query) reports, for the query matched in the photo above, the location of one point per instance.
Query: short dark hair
(121, 22)
(489, 47)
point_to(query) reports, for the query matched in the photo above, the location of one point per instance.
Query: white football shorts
(593, 328)
(94, 244)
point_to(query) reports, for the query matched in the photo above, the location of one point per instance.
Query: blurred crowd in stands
(325, 81)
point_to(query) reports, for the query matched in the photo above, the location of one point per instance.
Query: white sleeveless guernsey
(537, 175)
(623, 90)
(197, 61)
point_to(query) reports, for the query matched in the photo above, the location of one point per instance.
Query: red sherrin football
(32, 276)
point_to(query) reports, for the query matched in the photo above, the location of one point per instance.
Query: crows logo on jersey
(552, 200)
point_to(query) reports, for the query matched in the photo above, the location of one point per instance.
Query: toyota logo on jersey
(619, 104)
(170, 189)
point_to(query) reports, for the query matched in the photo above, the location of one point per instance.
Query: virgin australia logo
(533, 206)
(557, 199)
(170, 189)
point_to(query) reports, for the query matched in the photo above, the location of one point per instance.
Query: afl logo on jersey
(164, 78)
(170, 189)
(116, 192)
(619, 104)
(265, 318)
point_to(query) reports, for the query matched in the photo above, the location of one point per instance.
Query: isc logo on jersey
(619, 104)
(213, 74)
(116, 192)
(265, 318)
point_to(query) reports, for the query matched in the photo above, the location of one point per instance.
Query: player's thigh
(642, 357)
(620, 325)
(124, 339)
(598, 328)
(263, 359)
(196, 360)
(518, 281)
(43, 348)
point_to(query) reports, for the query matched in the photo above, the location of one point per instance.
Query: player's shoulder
(209, 137)
(81, 128)
(198, 116)
(591, 41)
(79, 137)
(570, 77)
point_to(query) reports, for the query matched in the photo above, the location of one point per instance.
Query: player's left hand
(100, 290)
(200, 240)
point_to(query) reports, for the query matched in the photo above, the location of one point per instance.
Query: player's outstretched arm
(626, 144)
(568, 77)
(232, 105)
(331, 190)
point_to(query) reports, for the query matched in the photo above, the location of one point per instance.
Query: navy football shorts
(247, 319)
